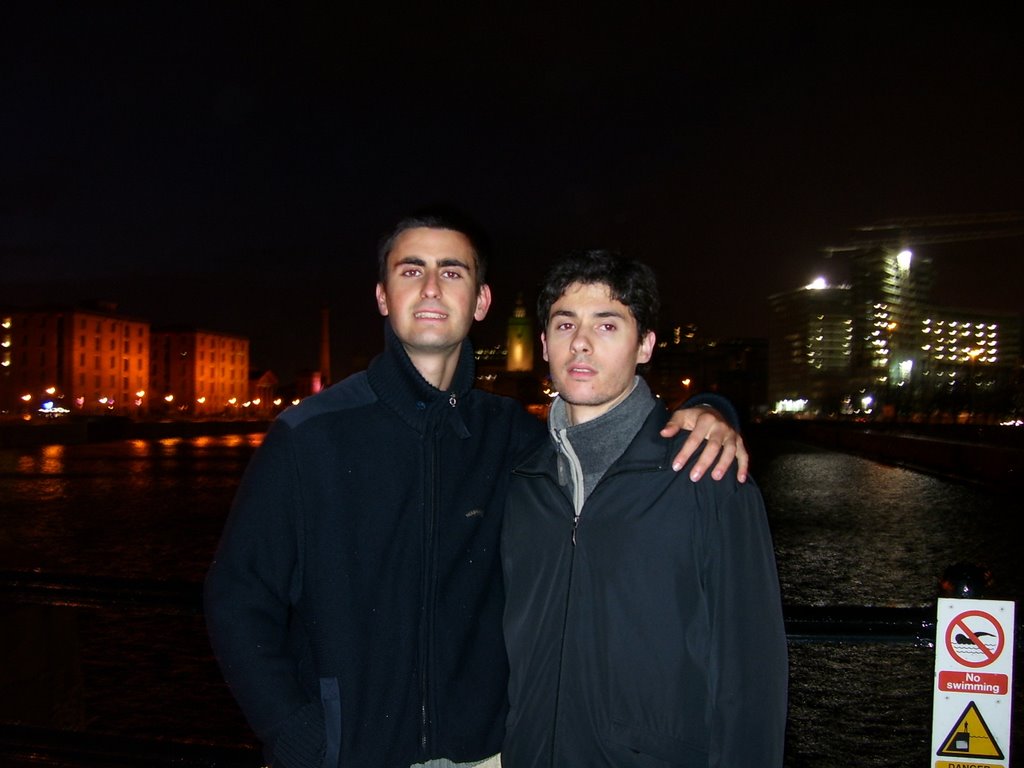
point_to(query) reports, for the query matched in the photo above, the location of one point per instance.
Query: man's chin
(431, 343)
(574, 396)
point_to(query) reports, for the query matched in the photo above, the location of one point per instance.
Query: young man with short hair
(643, 619)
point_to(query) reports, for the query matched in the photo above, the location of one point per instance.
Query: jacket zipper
(434, 426)
(429, 579)
(561, 645)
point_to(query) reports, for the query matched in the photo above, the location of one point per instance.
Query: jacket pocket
(669, 749)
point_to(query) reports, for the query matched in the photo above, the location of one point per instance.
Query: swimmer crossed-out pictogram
(974, 639)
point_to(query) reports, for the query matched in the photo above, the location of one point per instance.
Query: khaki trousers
(490, 762)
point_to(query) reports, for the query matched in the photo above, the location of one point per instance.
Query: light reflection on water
(137, 508)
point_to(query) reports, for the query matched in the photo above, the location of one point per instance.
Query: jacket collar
(402, 388)
(648, 450)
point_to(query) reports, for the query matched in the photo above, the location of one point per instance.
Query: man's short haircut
(629, 281)
(436, 218)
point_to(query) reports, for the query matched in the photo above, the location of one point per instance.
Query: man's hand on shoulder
(724, 443)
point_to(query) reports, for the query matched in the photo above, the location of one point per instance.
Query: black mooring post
(965, 580)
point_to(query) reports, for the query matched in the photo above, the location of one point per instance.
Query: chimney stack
(325, 346)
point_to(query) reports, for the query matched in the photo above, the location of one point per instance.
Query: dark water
(851, 531)
(847, 532)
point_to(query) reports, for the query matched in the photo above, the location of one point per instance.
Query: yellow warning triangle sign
(970, 737)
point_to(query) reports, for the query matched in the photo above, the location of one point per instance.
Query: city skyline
(234, 171)
(490, 333)
(823, 341)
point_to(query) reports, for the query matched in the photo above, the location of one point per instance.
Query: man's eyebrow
(419, 261)
(414, 260)
(573, 315)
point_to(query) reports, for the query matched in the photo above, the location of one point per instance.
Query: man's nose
(580, 343)
(431, 285)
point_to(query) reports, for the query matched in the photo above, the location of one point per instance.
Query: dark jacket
(657, 638)
(355, 601)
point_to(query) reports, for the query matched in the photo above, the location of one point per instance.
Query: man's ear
(544, 344)
(646, 349)
(483, 302)
(382, 300)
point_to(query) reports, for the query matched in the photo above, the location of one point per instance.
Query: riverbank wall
(988, 455)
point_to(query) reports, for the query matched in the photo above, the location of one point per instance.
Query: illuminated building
(811, 343)
(507, 369)
(967, 357)
(891, 289)
(262, 394)
(520, 339)
(80, 359)
(878, 345)
(199, 373)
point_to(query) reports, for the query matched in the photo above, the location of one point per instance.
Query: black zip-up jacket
(355, 601)
(656, 639)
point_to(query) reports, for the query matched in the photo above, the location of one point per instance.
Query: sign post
(973, 683)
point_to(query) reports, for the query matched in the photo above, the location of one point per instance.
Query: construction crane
(905, 231)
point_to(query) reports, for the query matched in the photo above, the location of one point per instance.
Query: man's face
(431, 296)
(593, 347)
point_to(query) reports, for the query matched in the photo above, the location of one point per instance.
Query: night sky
(233, 166)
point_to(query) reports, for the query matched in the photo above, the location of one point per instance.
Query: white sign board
(973, 683)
